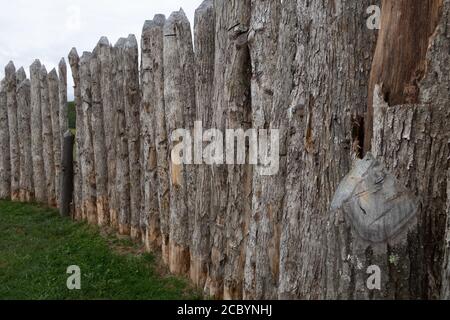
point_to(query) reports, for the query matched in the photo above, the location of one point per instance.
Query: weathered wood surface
(204, 34)
(5, 164)
(74, 61)
(63, 107)
(67, 175)
(47, 138)
(122, 162)
(132, 114)
(87, 159)
(53, 89)
(109, 120)
(262, 251)
(98, 140)
(14, 148)
(152, 97)
(26, 193)
(178, 96)
(40, 191)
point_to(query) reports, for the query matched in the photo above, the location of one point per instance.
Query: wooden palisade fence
(312, 70)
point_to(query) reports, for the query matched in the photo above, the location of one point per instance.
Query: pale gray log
(20, 76)
(53, 89)
(204, 33)
(262, 252)
(47, 139)
(99, 145)
(74, 61)
(179, 102)
(132, 113)
(40, 190)
(11, 101)
(87, 159)
(63, 111)
(5, 163)
(24, 125)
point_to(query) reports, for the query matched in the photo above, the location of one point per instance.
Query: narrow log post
(53, 89)
(109, 120)
(10, 83)
(87, 160)
(24, 125)
(150, 215)
(178, 95)
(123, 165)
(63, 111)
(204, 33)
(40, 191)
(47, 139)
(67, 175)
(262, 259)
(5, 163)
(20, 76)
(98, 136)
(132, 113)
(74, 61)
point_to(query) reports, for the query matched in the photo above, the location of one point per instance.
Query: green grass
(37, 246)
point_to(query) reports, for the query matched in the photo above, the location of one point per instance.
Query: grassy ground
(37, 246)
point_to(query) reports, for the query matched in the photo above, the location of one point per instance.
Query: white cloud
(48, 29)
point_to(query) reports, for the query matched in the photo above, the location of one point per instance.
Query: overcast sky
(48, 29)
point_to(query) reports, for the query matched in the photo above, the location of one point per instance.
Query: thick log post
(132, 113)
(47, 139)
(53, 89)
(204, 34)
(178, 95)
(5, 163)
(24, 125)
(123, 165)
(151, 45)
(87, 160)
(98, 136)
(20, 76)
(11, 86)
(323, 117)
(40, 191)
(63, 111)
(74, 61)
(109, 120)
(67, 175)
(262, 252)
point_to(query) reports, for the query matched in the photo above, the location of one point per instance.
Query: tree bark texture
(87, 159)
(5, 163)
(11, 101)
(123, 165)
(132, 114)
(47, 139)
(178, 96)
(204, 34)
(154, 171)
(74, 61)
(40, 191)
(26, 187)
(99, 141)
(53, 89)
(63, 111)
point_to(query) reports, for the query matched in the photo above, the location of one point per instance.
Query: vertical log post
(67, 175)
(74, 61)
(40, 191)
(24, 125)
(11, 86)
(5, 163)
(63, 110)
(204, 33)
(53, 89)
(178, 94)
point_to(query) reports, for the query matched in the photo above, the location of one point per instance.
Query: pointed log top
(103, 42)
(131, 41)
(36, 65)
(74, 58)
(204, 6)
(53, 74)
(10, 69)
(21, 75)
(62, 64)
(85, 57)
(43, 70)
(176, 17)
(120, 43)
(159, 19)
(25, 83)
